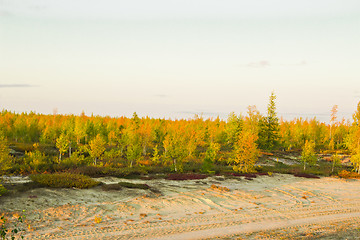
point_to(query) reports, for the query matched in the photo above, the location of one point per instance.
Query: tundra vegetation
(33, 143)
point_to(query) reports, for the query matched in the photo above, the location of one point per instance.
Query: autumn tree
(308, 155)
(353, 140)
(5, 160)
(245, 153)
(233, 129)
(156, 156)
(175, 148)
(62, 144)
(210, 156)
(96, 148)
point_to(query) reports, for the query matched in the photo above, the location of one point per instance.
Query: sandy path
(278, 206)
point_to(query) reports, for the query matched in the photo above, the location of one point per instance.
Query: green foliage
(308, 155)
(336, 161)
(3, 190)
(133, 153)
(97, 147)
(269, 127)
(36, 159)
(210, 157)
(5, 159)
(62, 144)
(175, 149)
(233, 129)
(64, 180)
(156, 156)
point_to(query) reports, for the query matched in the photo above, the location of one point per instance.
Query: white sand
(281, 206)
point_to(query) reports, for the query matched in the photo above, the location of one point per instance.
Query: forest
(37, 143)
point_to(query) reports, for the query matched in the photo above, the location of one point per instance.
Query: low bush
(3, 190)
(347, 174)
(64, 180)
(93, 171)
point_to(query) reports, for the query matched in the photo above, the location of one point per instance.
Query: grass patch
(111, 187)
(133, 185)
(93, 171)
(64, 180)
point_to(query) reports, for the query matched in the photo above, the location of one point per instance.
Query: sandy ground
(276, 207)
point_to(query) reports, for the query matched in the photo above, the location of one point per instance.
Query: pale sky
(172, 58)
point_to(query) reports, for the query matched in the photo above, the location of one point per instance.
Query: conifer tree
(269, 127)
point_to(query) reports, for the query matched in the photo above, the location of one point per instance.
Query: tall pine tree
(269, 127)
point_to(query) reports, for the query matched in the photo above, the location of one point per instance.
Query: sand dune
(280, 206)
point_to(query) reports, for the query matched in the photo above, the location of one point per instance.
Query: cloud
(302, 63)
(203, 113)
(266, 63)
(259, 64)
(16, 85)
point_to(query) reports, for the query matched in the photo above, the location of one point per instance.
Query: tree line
(129, 142)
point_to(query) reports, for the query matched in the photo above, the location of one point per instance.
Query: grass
(133, 185)
(121, 185)
(64, 180)
(111, 187)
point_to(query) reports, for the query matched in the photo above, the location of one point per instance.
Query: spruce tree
(269, 127)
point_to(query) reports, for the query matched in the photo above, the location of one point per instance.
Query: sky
(177, 58)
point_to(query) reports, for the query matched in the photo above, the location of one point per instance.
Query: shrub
(2, 190)
(64, 180)
(347, 174)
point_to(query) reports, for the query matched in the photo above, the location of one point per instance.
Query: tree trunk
(60, 157)
(175, 167)
(95, 160)
(304, 166)
(69, 150)
(144, 150)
